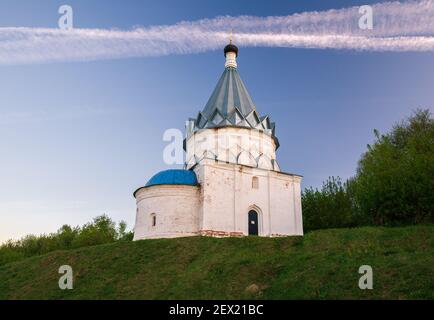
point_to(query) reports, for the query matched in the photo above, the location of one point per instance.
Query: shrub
(101, 230)
(331, 207)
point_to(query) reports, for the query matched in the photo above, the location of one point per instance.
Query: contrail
(398, 26)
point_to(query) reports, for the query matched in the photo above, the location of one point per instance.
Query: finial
(231, 53)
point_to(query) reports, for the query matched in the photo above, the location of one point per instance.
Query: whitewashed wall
(235, 145)
(227, 196)
(176, 208)
(225, 160)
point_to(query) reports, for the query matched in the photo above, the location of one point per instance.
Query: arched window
(153, 220)
(255, 183)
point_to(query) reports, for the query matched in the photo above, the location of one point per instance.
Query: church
(231, 184)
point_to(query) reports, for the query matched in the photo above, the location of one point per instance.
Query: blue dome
(174, 176)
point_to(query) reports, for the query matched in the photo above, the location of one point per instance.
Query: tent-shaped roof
(231, 105)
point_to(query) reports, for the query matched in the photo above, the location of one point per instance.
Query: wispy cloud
(407, 26)
(44, 115)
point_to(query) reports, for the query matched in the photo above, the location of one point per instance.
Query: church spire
(230, 104)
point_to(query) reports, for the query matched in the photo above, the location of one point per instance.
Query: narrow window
(255, 183)
(153, 220)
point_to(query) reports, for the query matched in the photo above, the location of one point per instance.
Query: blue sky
(77, 138)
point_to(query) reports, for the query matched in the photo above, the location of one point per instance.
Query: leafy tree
(395, 177)
(331, 207)
(101, 230)
(394, 183)
(123, 235)
(66, 235)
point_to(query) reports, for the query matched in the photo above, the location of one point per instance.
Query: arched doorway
(253, 223)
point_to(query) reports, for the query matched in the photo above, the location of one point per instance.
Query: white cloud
(43, 115)
(407, 26)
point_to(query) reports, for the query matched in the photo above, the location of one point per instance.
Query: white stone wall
(225, 161)
(176, 208)
(244, 146)
(227, 196)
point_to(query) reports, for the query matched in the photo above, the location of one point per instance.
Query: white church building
(232, 184)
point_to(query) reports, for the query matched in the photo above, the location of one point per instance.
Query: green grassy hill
(322, 265)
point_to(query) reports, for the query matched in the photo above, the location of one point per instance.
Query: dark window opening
(253, 223)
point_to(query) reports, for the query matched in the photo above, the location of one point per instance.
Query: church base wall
(168, 235)
(221, 204)
(167, 211)
(220, 234)
(229, 193)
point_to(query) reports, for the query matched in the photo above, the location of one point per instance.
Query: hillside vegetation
(393, 184)
(321, 265)
(101, 230)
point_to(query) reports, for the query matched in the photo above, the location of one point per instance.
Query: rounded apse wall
(167, 211)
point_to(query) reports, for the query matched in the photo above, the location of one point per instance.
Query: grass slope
(323, 264)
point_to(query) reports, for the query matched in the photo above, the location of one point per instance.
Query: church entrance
(253, 223)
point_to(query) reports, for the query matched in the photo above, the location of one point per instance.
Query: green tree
(395, 177)
(331, 207)
(101, 230)
(66, 235)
